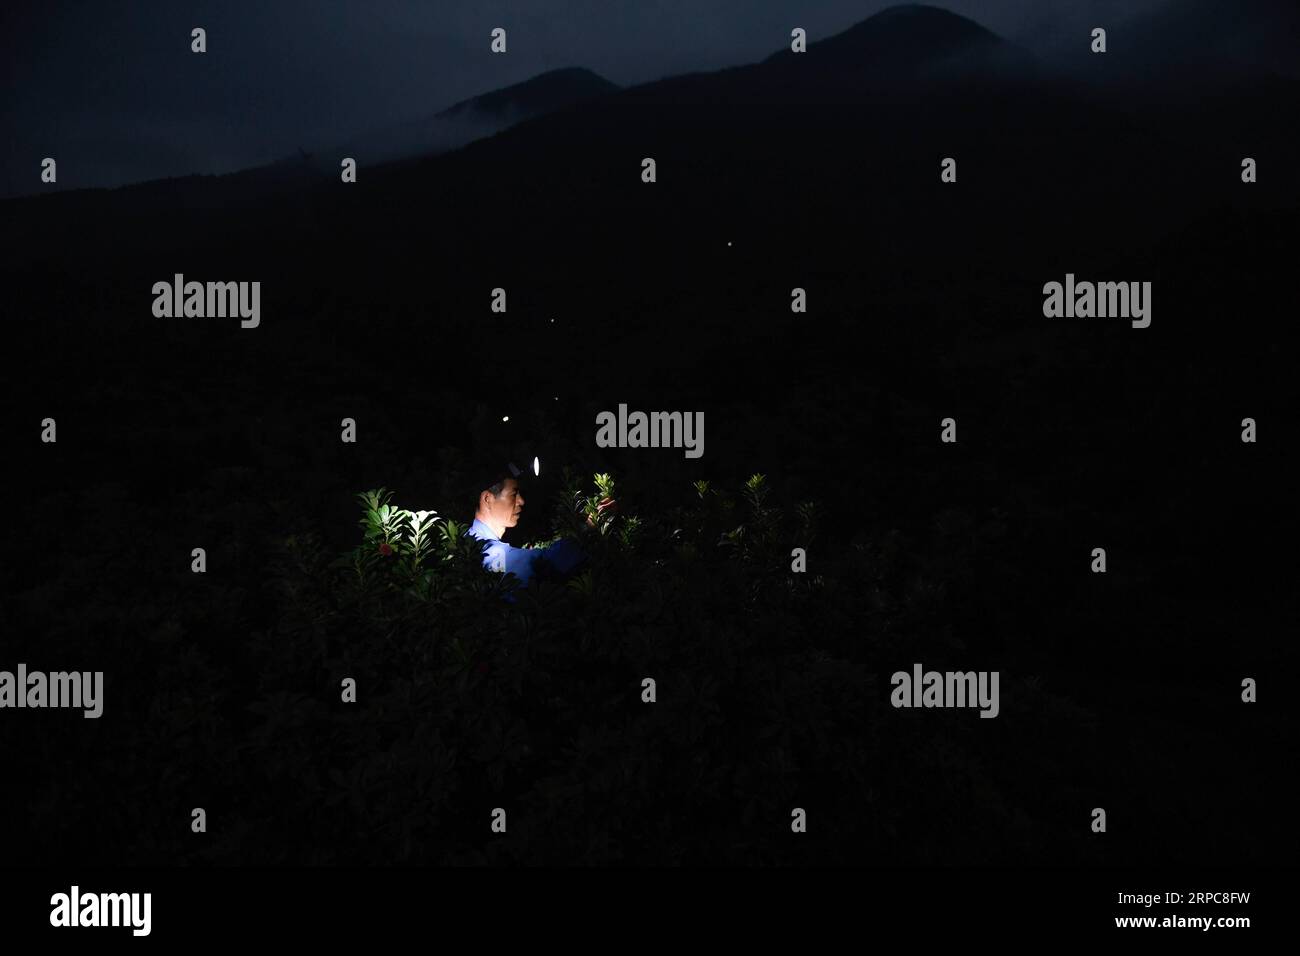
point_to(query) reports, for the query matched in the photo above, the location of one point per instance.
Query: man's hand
(606, 505)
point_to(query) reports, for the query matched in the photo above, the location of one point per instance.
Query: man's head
(499, 506)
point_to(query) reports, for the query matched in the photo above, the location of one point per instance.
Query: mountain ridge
(481, 115)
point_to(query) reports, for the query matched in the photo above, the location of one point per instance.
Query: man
(499, 507)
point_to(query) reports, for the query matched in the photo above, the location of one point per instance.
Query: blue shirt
(564, 555)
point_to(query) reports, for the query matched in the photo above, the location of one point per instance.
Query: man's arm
(564, 555)
(508, 559)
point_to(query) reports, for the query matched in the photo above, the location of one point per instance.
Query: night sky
(113, 92)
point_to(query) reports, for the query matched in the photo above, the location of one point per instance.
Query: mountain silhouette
(794, 152)
(477, 116)
(901, 51)
(901, 46)
(544, 93)
(801, 147)
(448, 129)
(818, 164)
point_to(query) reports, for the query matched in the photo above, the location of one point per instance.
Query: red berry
(385, 549)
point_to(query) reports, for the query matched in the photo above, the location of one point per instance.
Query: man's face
(504, 509)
